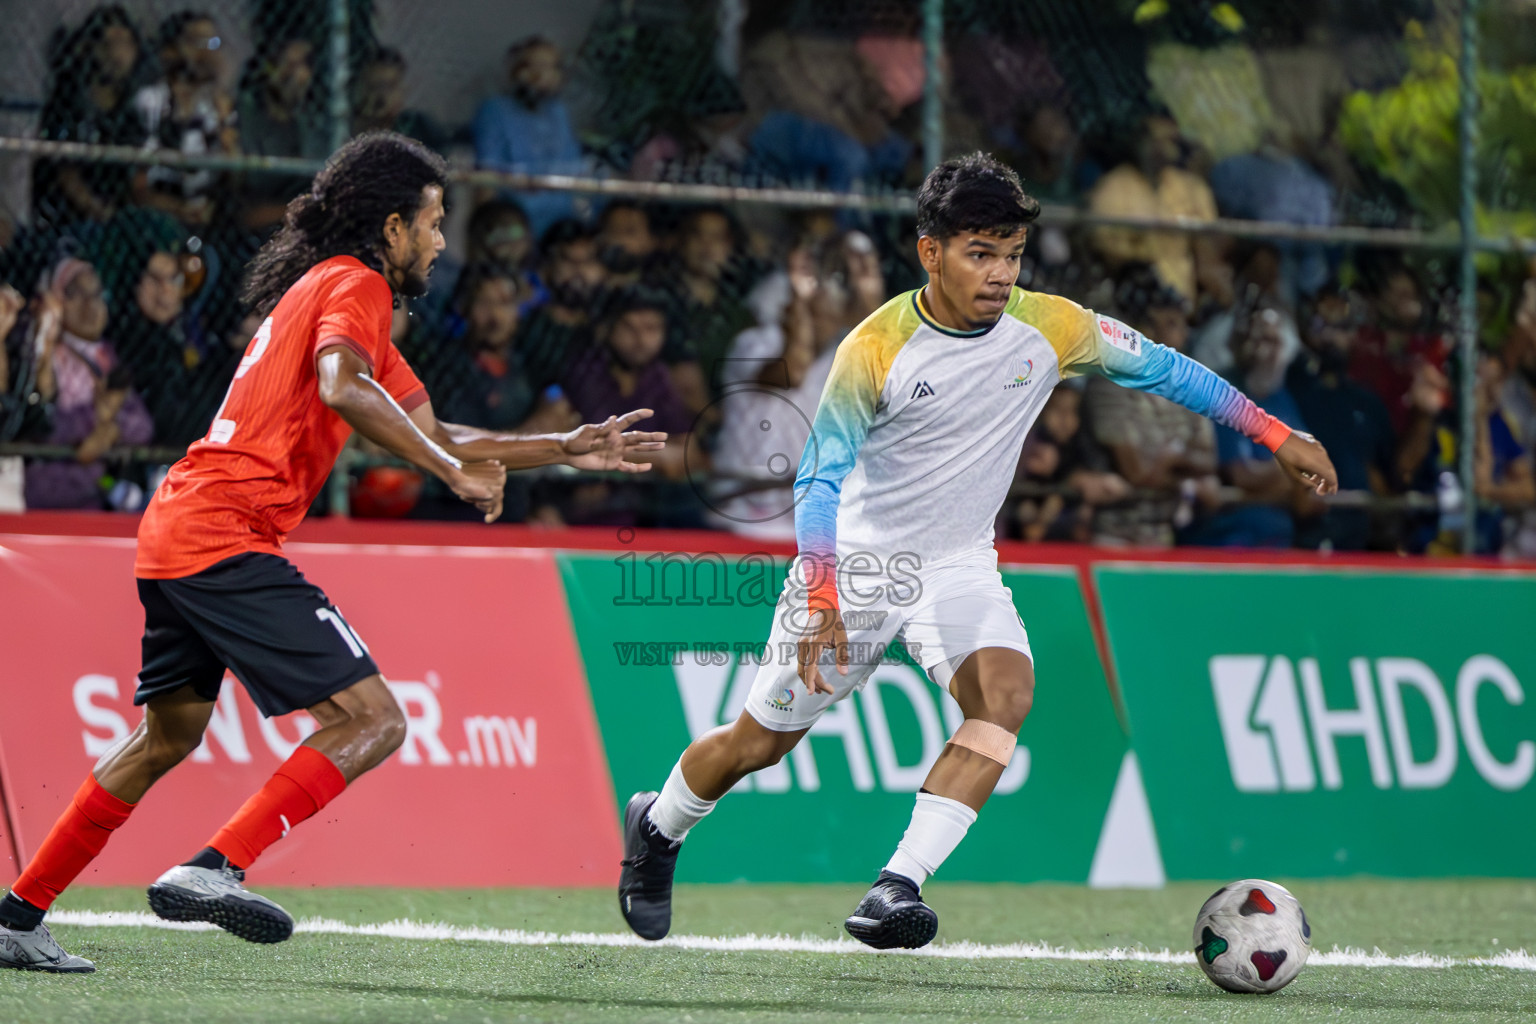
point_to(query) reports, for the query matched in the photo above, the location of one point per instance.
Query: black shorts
(256, 615)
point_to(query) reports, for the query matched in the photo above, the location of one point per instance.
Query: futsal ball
(1252, 936)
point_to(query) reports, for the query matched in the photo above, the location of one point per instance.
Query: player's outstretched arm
(347, 387)
(610, 445)
(1132, 360)
(1303, 457)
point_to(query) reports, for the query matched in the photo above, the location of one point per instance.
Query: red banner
(501, 780)
(7, 845)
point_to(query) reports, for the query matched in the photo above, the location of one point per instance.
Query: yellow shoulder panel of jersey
(873, 344)
(1065, 324)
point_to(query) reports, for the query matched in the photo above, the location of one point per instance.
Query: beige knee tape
(986, 739)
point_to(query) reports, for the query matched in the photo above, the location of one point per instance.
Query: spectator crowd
(121, 325)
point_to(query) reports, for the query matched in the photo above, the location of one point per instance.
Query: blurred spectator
(1051, 159)
(189, 112)
(560, 329)
(1349, 419)
(1519, 356)
(1049, 155)
(497, 234)
(1056, 455)
(622, 371)
(804, 151)
(181, 374)
(1005, 79)
(1160, 448)
(528, 130)
(122, 252)
(627, 242)
(816, 76)
(378, 101)
(277, 118)
(1501, 467)
(479, 379)
(1517, 402)
(773, 374)
(1214, 88)
(8, 248)
(705, 143)
(1153, 184)
(93, 75)
(707, 287)
(95, 406)
(1399, 344)
(823, 114)
(896, 56)
(1263, 518)
(27, 382)
(1306, 82)
(1257, 280)
(1274, 185)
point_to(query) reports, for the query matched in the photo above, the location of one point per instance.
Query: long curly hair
(343, 213)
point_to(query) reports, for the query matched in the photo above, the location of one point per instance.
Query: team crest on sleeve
(1120, 336)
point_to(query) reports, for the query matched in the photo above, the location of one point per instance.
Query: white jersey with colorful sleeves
(918, 433)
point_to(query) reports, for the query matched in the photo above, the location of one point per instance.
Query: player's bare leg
(995, 688)
(655, 824)
(995, 685)
(722, 757)
(359, 727)
(171, 729)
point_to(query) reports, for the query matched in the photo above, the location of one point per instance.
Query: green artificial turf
(154, 975)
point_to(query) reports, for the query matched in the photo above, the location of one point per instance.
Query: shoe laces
(893, 891)
(657, 850)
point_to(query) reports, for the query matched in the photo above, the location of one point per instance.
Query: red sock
(74, 841)
(306, 782)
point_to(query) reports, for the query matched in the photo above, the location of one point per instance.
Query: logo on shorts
(864, 618)
(783, 699)
(922, 390)
(1022, 376)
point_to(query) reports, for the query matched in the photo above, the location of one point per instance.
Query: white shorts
(957, 610)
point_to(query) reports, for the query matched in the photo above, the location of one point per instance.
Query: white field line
(1518, 960)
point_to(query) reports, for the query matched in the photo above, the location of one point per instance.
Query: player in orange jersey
(216, 589)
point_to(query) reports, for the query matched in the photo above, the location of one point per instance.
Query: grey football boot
(37, 950)
(187, 893)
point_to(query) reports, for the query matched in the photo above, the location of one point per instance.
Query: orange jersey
(273, 442)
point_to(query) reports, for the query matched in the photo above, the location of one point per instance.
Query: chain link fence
(684, 204)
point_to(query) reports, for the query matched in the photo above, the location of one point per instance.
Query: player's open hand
(481, 484)
(824, 629)
(611, 445)
(1303, 458)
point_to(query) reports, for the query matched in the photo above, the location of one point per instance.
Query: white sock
(938, 825)
(676, 809)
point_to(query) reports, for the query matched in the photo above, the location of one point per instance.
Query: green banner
(1308, 723)
(669, 643)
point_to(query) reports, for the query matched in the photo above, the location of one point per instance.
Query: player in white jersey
(912, 450)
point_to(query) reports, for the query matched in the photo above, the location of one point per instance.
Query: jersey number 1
(223, 429)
